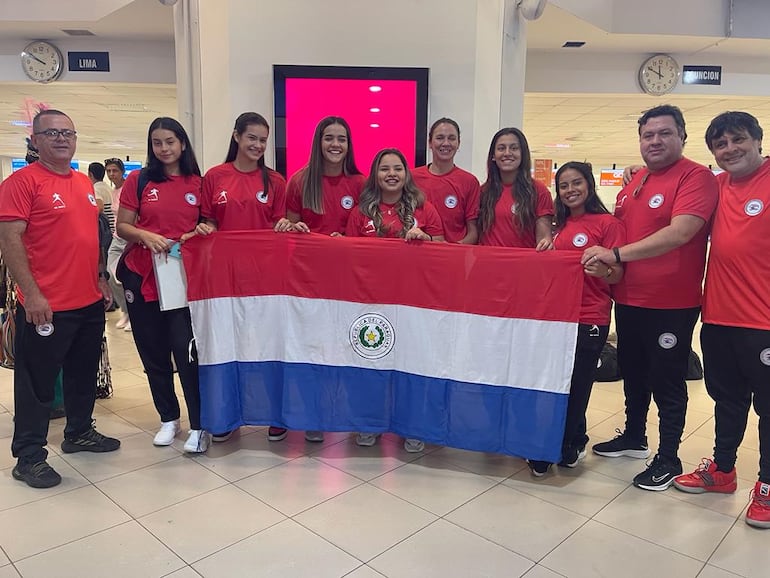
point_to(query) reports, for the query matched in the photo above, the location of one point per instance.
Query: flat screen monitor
(385, 108)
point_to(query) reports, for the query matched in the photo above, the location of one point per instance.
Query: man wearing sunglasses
(49, 238)
(666, 208)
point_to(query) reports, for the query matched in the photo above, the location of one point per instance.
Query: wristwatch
(104, 275)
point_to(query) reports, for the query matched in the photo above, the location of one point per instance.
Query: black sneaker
(538, 468)
(621, 446)
(90, 441)
(659, 475)
(571, 456)
(38, 475)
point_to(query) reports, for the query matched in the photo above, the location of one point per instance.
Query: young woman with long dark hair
(583, 221)
(516, 210)
(167, 207)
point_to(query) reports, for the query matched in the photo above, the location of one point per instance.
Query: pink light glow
(308, 100)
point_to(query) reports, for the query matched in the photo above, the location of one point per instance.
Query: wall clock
(42, 61)
(659, 74)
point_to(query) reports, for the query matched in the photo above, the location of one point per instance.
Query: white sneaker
(314, 436)
(414, 446)
(166, 433)
(127, 327)
(122, 322)
(366, 439)
(198, 442)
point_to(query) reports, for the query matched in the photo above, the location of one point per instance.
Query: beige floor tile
(68, 516)
(714, 572)
(517, 521)
(298, 485)
(144, 416)
(123, 379)
(202, 525)
(125, 551)
(597, 550)
(579, 490)
(495, 466)
(365, 463)
(750, 437)
(9, 572)
(608, 400)
(364, 571)
(6, 459)
(744, 551)
(185, 572)
(14, 493)
(6, 424)
(595, 416)
(127, 397)
(671, 523)
(419, 482)
(286, 550)
(387, 520)
(541, 572)
(247, 454)
(158, 486)
(135, 452)
(443, 550)
(4, 560)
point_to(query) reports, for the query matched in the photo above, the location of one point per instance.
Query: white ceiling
(112, 118)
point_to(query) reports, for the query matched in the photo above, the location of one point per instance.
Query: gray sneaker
(366, 439)
(414, 446)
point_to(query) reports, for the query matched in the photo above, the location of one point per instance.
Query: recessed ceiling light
(573, 44)
(375, 88)
(374, 109)
(374, 125)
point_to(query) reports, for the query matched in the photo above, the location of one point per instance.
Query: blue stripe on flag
(301, 396)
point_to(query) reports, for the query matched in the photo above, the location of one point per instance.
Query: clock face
(41, 61)
(659, 74)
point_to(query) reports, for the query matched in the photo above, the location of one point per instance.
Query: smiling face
(444, 142)
(573, 190)
(166, 147)
(252, 142)
(507, 153)
(58, 150)
(391, 175)
(334, 144)
(737, 153)
(660, 142)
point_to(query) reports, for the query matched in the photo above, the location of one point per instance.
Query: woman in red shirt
(392, 206)
(583, 221)
(321, 196)
(516, 210)
(244, 194)
(151, 220)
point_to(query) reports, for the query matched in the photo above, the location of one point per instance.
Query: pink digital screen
(384, 107)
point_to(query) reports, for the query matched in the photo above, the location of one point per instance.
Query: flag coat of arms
(463, 346)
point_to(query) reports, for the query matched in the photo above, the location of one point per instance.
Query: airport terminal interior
(293, 508)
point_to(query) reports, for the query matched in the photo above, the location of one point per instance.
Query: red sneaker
(758, 514)
(707, 479)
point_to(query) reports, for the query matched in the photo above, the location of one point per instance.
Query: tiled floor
(295, 509)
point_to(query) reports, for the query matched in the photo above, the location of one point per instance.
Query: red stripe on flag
(499, 282)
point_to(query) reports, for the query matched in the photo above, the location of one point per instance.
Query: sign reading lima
(702, 75)
(88, 61)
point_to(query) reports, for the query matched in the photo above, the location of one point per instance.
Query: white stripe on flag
(523, 353)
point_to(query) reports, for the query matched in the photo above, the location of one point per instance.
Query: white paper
(170, 278)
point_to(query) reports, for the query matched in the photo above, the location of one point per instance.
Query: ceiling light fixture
(375, 88)
(374, 109)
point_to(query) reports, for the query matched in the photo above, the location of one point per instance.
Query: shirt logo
(262, 197)
(450, 202)
(58, 202)
(44, 329)
(580, 240)
(221, 198)
(129, 296)
(764, 356)
(620, 201)
(753, 207)
(656, 201)
(513, 208)
(191, 199)
(372, 336)
(347, 202)
(369, 227)
(667, 340)
(153, 194)
(92, 200)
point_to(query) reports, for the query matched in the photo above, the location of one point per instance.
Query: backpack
(607, 368)
(694, 367)
(105, 234)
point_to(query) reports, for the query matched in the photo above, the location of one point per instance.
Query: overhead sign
(88, 61)
(611, 178)
(702, 75)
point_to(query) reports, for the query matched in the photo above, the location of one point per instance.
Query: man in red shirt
(49, 239)
(666, 208)
(736, 310)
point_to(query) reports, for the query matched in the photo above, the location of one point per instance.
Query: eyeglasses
(53, 134)
(112, 161)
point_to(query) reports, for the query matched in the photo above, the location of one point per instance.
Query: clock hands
(36, 58)
(651, 69)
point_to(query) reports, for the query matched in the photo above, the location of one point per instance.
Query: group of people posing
(649, 257)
